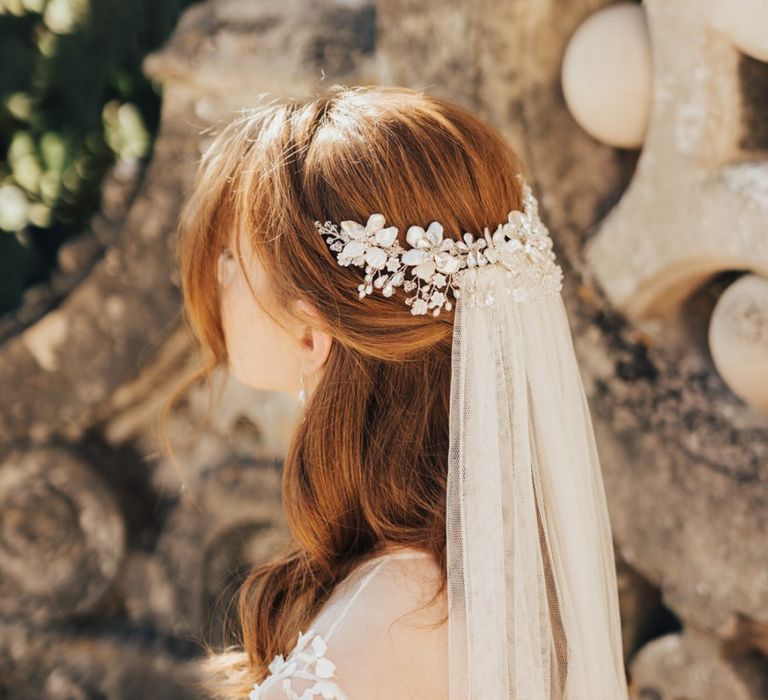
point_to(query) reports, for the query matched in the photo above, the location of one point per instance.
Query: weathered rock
(684, 460)
(61, 535)
(38, 664)
(696, 667)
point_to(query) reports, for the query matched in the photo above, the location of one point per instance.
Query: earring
(303, 390)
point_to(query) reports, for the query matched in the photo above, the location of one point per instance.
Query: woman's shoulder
(398, 566)
(383, 634)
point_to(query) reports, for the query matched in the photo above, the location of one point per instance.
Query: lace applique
(307, 661)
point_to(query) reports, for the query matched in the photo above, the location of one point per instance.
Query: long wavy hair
(367, 465)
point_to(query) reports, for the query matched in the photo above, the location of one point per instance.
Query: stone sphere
(738, 339)
(606, 75)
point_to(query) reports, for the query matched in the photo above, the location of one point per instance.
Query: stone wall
(114, 566)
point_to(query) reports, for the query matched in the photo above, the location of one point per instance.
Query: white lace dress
(376, 637)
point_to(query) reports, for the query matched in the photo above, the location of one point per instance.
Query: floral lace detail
(307, 661)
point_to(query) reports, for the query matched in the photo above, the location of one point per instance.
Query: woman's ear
(314, 341)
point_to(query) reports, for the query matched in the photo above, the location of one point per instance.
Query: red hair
(367, 467)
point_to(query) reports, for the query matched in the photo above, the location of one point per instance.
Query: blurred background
(643, 127)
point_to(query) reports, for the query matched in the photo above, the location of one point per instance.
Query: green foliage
(73, 100)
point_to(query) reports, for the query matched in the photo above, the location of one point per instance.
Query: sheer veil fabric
(532, 591)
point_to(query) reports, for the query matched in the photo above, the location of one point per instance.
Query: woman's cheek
(227, 267)
(259, 351)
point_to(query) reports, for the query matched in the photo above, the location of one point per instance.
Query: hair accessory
(521, 246)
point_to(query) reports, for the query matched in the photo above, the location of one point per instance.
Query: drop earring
(303, 389)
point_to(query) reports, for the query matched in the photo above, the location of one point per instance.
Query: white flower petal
(352, 250)
(415, 235)
(413, 256)
(324, 668)
(376, 257)
(517, 218)
(386, 236)
(499, 235)
(303, 639)
(375, 222)
(447, 263)
(354, 230)
(277, 663)
(435, 233)
(425, 270)
(437, 298)
(319, 647)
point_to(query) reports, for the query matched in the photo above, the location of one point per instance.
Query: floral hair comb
(435, 265)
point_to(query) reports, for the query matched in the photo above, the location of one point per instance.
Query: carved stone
(693, 665)
(37, 664)
(684, 459)
(698, 200)
(61, 535)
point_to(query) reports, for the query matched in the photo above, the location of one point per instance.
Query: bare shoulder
(411, 582)
(384, 635)
(394, 641)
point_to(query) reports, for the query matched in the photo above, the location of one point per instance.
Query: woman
(411, 573)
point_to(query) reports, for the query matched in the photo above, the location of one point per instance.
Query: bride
(377, 253)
